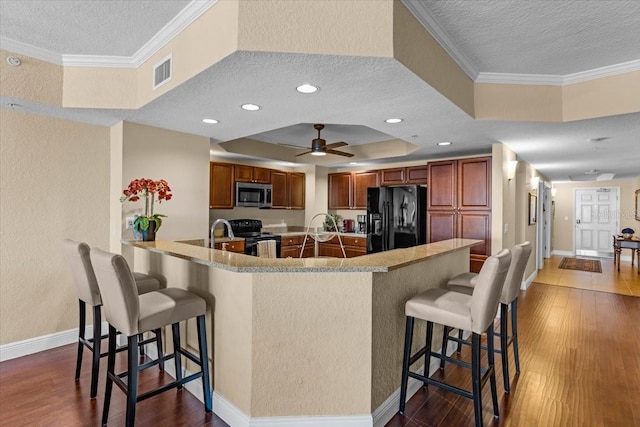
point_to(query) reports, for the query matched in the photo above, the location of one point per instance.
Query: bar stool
(473, 312)
(87, 291)
(466, 282)
(133, 314)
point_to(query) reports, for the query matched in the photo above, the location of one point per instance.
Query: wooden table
(620, 243)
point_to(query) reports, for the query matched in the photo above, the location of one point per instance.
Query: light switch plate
(129, 222)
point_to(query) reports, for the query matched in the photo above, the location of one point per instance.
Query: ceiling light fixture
(250, 107)
(443, 143)
(318, 153)
(393, 121)
(307, 88)
(210, 121)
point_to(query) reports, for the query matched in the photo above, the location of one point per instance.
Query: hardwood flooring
(579, 349)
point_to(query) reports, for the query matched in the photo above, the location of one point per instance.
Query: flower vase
(149, 235)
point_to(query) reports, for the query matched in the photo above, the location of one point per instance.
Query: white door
(596, 220)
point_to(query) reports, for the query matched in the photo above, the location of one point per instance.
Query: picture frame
(638, 204)
(533, 208)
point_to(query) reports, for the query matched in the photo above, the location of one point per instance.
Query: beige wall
(183, 161)
(55, 185)
(34, 80)
(563, 230)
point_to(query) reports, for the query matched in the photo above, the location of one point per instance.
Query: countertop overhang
(377, 262)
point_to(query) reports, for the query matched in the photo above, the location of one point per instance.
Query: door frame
(575, 215)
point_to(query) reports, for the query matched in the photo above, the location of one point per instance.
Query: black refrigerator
(396, 217)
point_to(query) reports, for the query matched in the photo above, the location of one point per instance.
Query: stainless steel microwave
(253, 195)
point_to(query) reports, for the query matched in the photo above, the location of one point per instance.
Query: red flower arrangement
(147, 189)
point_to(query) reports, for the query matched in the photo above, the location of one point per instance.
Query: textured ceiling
(541, 37)
(358, 93)
(94, 27)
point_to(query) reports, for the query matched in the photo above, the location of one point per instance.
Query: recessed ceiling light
(444, 143)
(250, 107)
(392, 121)
(353, 163)
(14, 61)
(210, 121)
(318, 153)
(307, 88)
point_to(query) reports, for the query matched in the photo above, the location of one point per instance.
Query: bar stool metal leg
(158, 334)
(492, 370)
(504, 343)
(132, 380)
(175, 329)
(95, 359)
(408, 337)
(111, 363)
(476, 378)
(514, 333)
(81, 332)
(204, 362)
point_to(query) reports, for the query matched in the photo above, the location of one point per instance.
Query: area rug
(590, 265)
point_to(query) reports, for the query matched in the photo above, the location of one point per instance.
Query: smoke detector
(14, 61)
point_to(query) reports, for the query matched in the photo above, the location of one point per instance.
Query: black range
(250, 230)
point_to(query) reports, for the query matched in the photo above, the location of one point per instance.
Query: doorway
(596, 220)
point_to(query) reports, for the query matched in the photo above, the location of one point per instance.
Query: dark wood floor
(580, 366)
(580, 356)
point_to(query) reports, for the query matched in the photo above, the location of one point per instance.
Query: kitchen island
(298, 341)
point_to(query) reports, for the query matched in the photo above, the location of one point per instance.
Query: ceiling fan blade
(292, 146)
(303, 153)
(340, 153)
(335, 145)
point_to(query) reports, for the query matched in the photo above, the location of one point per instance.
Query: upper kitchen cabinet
(348, 190)
(220, 185)
(459, 198)
(244, 173)
(403, 176)
(288, 190)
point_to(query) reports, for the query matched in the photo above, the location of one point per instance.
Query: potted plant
(146, 226)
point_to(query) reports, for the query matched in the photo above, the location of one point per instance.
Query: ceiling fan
(319, 146)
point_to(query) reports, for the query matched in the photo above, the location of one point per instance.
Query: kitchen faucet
(213, 226)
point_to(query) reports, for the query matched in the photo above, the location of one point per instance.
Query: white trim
(528, 281)
(559, 80)
(46, 342)
(421, 13)
(181, 21)
(563, 253)
(30, 51)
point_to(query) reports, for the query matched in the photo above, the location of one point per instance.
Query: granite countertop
(378, 262)
(302, 233)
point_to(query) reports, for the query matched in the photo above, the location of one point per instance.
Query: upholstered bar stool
(87, 291)
(466, 282)
(473, 312)
(133, 314)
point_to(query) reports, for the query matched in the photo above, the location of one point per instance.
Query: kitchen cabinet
(233, 246)
(288, 190)
(353, 247)
(348, 190)
(459, 204)
(244, 173)
(221, 185)
(292, 245)
(404, 176)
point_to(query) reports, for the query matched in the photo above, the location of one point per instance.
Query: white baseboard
(529, 280)
(46, 342)
(563, 253)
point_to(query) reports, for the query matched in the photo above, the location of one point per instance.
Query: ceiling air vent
(162, 72)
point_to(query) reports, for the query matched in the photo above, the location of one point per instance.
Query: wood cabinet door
(296, 190)
(309, 251)
(243, 173)
(221, 185)
(261, 175)
(354, 251)
(325, 249)
(476, 225)
(417, 175)
(362, 181)
(474, 184)
(340, 190)
(280, 190)
(289, 251)
(394, 176)
(441, 225)
(442, 185)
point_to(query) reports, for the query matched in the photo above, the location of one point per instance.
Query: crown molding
(421, 13)
(553, 80)
(181, 21)
(30, 51)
